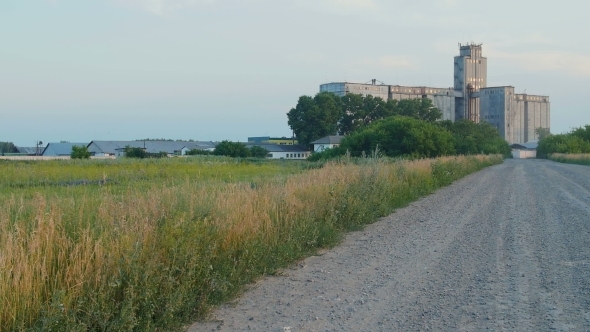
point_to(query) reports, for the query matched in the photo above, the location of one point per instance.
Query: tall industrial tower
(471, 72)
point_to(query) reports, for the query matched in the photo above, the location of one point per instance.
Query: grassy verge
(156, 252)
(580, 159)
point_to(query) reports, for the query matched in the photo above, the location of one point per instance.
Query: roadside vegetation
(407, 137)
(571, 158)
(150, 244)
(577, 141)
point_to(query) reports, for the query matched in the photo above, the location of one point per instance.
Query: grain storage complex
(515, 115)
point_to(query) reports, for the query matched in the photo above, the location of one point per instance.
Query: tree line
(409, 128)
(403, 136)
(328, 114)
(575, 141)
(7, 147)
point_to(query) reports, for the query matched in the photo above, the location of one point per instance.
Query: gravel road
(505, 249)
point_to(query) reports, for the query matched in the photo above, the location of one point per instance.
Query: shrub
(135, 152)
(80, 152)
(232, 149)
(562, 143)
(258, 152)
(476, 138)
(401, 136)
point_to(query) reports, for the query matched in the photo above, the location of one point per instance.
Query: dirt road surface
(505, 249)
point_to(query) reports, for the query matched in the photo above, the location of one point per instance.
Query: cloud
(395, 62)
(162, 7)
(338, 6)
(388, 62)
(561, 62)
(351, 4)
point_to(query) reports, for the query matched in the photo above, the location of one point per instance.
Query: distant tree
(419, 108)
(582, 132)
(232, 149)
(79, 152)
(542, 132)
(359, 111)
(315, 117)
(135, 152)
(258, 152)
(7, 147)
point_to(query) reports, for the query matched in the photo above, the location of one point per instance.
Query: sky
(79, 71)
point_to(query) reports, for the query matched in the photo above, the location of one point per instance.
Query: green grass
(161, 241)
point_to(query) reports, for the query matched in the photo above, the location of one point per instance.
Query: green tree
(232, 149)
(358, 111)
(542, 132)
(135, 152)
(400, 136)
(475, 138)
(562, 143)
(419, 108)
(7, 147)
(258, 152)
(582, 132)
(79, 152)
(316, 117)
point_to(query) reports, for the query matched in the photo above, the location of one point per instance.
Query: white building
(117, 148)
(327, 142)
(277, 151)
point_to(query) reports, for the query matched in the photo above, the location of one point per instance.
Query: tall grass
(150, 257)
(581, 159)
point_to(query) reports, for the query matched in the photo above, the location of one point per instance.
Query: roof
(29, 149)
(329, 140)
(530, 145)
(60, 149)
(113, 147)
(280, 148)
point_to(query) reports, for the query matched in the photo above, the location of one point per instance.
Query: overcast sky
(227, 69)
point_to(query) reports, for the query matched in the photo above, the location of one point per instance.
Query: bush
(135, 152)
(232, 149)
(562, 143)
(476, 138)
(401, 136)
(258, 152)
(80, 152)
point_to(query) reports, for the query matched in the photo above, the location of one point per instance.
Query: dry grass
(153, 256)
(581, 158)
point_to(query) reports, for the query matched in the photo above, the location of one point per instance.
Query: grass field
(122, 245)
(581, 159)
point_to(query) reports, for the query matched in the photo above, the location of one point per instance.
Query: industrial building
(515, 115)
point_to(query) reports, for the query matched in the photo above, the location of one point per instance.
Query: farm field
(151, 244)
